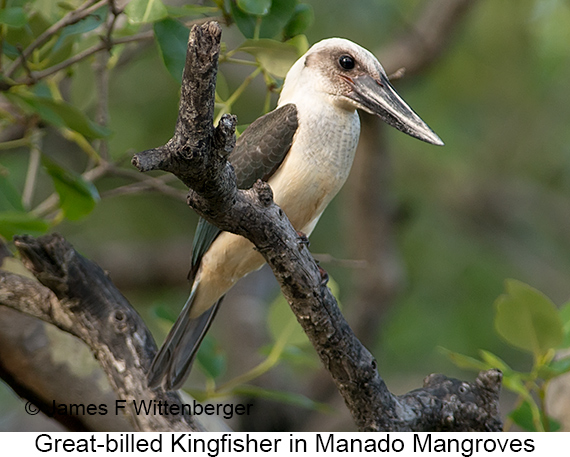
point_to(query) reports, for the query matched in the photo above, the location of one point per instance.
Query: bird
(304, 150)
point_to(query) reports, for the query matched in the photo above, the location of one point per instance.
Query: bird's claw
(324, 276)
(303, 239)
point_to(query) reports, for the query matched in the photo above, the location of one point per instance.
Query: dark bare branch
(86, 304)
(40, 364)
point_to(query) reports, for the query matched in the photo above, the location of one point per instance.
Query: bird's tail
(173, 362)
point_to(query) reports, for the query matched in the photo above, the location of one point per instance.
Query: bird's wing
(263, 145)
(258, 153)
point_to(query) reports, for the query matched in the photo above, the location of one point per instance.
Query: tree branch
(196, 154)
(47, 366)
(86, 304)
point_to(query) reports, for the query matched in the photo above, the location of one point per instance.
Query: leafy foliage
(77, 197)
(38, 58)
(529, 321)
(44, 46)
(172, 37)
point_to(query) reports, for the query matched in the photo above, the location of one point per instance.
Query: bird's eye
(346, 62)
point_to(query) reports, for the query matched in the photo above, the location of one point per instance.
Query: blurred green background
(494, 203)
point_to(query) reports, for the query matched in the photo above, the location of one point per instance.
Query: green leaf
(302, 19)
(212, 358)
(276, 57)
(255, 7)
(495, 362)
(144, 11)
(301, 44)
(10, 198)
(564, 312)
(85, 25)
(77, 197)
(280, 13)
(61, 114)
(464, 361)
(54, 56)
(527, 319)
(555, 368)
(23, 36)
(13, 17)
(172, 39)
(66, 6)
(245, 22)
(523, 417)
(19, 223)
(289, 398)
(272, 23)
(515, 382)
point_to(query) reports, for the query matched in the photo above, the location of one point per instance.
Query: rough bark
(49, 367)
(80, 299)
(196, 155)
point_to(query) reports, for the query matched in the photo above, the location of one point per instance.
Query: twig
(25, 65)
(102, 81)
(347, 263)
(150, 185)
(71, 18)
(33, 167)
(20, 142)
(86, 53)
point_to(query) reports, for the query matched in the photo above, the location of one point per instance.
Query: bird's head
(352, 78)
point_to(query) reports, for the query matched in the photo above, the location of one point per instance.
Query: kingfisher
(304, 150)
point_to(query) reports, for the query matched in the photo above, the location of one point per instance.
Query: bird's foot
(324, 275)
(303, 239)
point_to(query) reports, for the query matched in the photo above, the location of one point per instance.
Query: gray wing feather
(263, 146)
(258, 153)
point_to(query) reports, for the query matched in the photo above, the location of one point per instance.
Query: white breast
(313, 172)
(319, 161)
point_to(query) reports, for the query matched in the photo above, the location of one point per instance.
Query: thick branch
(50, 367)
(200, 163)
(86, 304)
